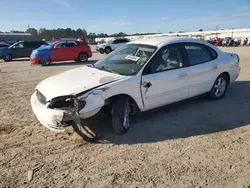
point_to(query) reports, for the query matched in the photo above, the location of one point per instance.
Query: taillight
(238, 58)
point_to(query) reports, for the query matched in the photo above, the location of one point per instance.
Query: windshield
(127, 60)
(13, 45)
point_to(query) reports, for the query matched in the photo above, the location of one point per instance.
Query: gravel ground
(196, 143)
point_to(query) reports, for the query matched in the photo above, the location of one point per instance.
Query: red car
(61, 51)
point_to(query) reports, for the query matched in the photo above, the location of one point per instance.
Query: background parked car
(62, 50)
(228, 41)
(20, 49)
(111, 45)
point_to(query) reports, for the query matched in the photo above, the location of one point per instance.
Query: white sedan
(138, 76)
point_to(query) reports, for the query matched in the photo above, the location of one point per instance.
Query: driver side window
(19, 45)
(167, 58)
(61, 45)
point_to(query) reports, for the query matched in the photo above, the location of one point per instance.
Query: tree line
(50, 34)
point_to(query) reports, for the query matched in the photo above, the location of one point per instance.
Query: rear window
(70, 44)
(197, 54)
(212, 52)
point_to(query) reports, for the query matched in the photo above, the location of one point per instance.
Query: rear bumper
(90, 54)
(234, 74)
(34, 60)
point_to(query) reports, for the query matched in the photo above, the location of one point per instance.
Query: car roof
(162, 41)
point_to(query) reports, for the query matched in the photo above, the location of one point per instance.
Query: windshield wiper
(108, 69)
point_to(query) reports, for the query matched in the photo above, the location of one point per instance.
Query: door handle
(215, 67)
(146, 84)
(182, 75)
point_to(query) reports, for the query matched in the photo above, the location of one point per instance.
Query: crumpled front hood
(75, 81)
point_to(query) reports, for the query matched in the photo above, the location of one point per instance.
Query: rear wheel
(83, 57)
(7, 58)
(121, 115)
(219, 87)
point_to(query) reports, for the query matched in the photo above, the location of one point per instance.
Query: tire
(219, 88)
(102, 51)
(83, 57)
(121, 115)
(7, 58)
(108, 50)
(45, 62)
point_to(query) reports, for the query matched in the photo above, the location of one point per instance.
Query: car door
(29, 46)
(203, 66)
(59, 52)
(164, 80)
(18, 50)
(71, 50)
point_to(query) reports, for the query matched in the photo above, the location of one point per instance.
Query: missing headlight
(62, 102)
(68, 102)
(79, 104)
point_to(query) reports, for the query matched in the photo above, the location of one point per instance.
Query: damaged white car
(138, 76)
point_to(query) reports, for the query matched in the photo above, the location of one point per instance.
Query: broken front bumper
(53, 118)
(50, 118)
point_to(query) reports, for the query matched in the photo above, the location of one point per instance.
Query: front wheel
(7, 58)
(121, 115)
(219, 87)
(45, 62)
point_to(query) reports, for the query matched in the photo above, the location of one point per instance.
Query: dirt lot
(196, 143)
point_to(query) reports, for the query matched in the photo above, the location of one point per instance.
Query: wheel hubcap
(220, 87)
(7, 57)
(83, 57)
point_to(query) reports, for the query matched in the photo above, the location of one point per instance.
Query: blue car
(20, 49)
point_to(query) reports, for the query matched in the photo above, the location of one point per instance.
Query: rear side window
(198, 54)
(116, 41)
(28, 44)
(70, 44)
(34, 44)
(212, 52)
(124, 40)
